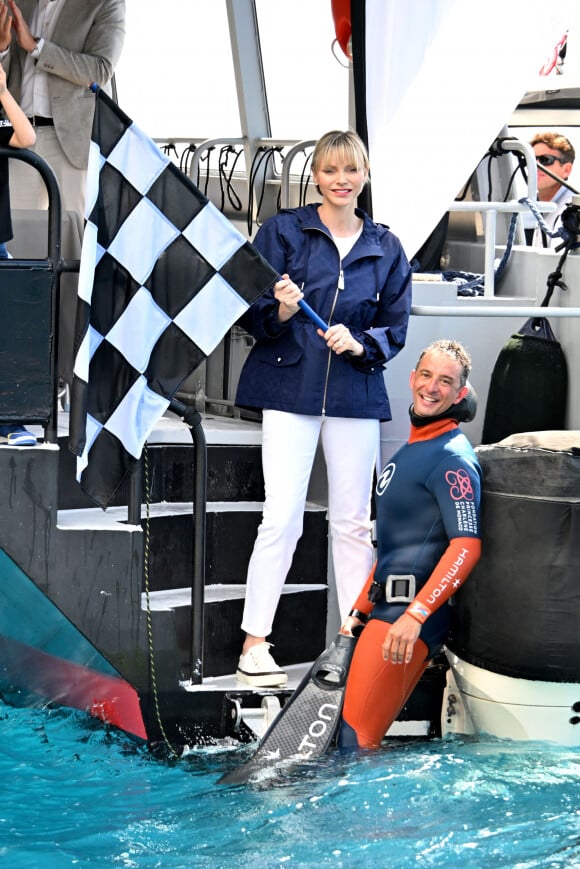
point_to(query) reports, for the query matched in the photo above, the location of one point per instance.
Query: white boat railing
(298, 148)
(491, 311)
(491, 210)
(293, 149)
(208, 145)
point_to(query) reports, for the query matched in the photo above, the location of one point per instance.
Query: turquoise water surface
(75, 794)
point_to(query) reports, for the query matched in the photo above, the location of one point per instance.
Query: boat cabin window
(179, 92)
(306, 84)
(191, 92)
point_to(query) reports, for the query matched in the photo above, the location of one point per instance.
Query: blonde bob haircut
(346, 145)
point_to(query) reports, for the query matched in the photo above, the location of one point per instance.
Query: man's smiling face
(436, 384)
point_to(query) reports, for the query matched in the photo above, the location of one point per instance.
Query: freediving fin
(305, 726)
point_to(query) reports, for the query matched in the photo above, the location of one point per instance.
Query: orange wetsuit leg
(377, 690)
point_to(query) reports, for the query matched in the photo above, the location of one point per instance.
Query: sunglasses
(549, 160)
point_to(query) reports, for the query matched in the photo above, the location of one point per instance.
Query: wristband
(357, 614)
(418, 611)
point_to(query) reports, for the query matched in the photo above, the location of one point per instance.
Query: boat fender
(529, 384)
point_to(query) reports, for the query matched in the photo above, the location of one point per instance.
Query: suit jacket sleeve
(101, 48)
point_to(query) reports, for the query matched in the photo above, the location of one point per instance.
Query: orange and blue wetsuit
(428, 541)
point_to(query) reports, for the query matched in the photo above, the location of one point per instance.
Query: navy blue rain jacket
(290, 368)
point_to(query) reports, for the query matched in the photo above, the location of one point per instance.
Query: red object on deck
(342, 25)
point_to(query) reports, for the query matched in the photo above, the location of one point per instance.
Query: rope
(554, 279)
(305, 178)
(205, 159)
(169, 148)
(521, 168)
(185, 159)
(474, 285)
(508, 249)
(149, 620)
(540, 220)
(261, 159)
(225, 177)
(569, 232)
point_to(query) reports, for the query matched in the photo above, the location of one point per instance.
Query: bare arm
(24, 135)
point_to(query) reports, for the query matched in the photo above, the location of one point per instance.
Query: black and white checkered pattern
(163, 276)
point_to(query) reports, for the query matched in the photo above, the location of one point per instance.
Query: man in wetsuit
(428, 541)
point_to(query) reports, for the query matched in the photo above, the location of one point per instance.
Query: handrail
(266, 142)
(55, 262)
(491, 209)
(207, 145)
(286, 165)
(510, 205)
(531, 166)
(193, 420)
(492, 311)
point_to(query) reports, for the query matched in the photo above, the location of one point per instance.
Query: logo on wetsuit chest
(385, 477)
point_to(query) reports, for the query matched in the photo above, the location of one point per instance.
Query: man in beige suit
(52, 51)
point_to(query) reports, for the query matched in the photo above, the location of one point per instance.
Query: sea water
(77, 794)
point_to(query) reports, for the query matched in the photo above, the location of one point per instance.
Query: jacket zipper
(339, 286)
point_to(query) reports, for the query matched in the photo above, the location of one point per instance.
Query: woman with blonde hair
(320, 384)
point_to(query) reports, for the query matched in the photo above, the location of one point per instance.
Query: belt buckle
(400, 588)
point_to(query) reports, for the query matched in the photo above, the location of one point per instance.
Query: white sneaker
(258, 668)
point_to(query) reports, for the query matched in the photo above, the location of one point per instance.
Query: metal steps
(232, 516)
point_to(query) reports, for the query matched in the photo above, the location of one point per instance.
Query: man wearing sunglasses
(554, 151)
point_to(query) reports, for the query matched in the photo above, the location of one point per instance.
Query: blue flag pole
(313, 315)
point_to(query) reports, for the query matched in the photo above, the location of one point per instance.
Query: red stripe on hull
(111, 699)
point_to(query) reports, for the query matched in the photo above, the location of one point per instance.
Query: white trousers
(289, 442)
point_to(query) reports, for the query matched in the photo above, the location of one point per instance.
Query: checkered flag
(163, 276)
